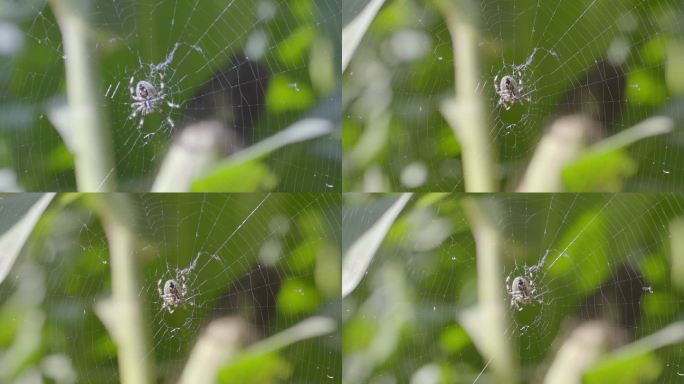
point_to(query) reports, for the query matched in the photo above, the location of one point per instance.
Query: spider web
(614, 62)
(594, 257)
(244, 64)
(256, 257)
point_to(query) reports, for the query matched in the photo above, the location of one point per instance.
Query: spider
(147, 100)
(510, 90)
(523, 290)
(174, 291)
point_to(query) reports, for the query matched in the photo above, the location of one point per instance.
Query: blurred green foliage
(613, 61)
(604, 252)
(130, 36)
(48, 303)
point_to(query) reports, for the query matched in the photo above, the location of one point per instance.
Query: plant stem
(92, 141)
(483, 215)
(465, 113)
(136, 360)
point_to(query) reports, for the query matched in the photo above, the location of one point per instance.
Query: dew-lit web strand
(227, 267)
(225, 242)
(214, 255)
(551, 51)
(653, 208)
(545, 289)
(164, 66)
(653, 214)
(193, 274)
(197, 289)
(540, 265)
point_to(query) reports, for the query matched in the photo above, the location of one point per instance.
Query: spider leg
(168, 120)
(137, 109)
(161, 83)
(130, 88)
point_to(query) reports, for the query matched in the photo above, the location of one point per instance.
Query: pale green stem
(483, 215)
(136, 359)
(466, 114)
(93, 156)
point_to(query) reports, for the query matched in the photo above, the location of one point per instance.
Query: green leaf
(292, 51)
(20, 215)
(359, 251)
(353, 32)
(257, 368)
(296, 297)
(243, 172)
(644, 87)
(286, 94)
(643, 368)
(304, 256)
(604, 171)
(243, 177)
(584, 246)
(453, 339)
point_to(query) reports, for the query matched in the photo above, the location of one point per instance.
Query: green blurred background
(255, 66)
(616, 62)
(613, 260)
(270, 260)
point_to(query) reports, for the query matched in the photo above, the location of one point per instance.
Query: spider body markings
(174, 292)
(510, 90)
(146, 100)
(523, 291)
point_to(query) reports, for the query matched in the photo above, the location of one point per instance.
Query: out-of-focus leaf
(353, 32)
(454, 339)
(286, 94)
(606, 165)
(645, 88)
(297, 297)
(243, 177)
(677, 254)
(20, 215)
(243, 172)
(358, 256)
(261, 364)
(258, 369)
(304, 256)
(673, 66)
(293, 49)
(599, 172)
(636, 369)
(586, 236)
(636, 362)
